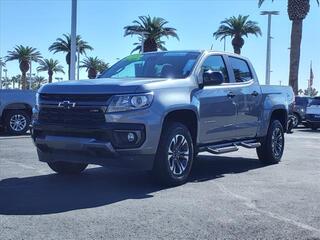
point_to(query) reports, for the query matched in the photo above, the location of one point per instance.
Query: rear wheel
(17, 122)
(296, 120)
(314, 127)
(175, 155)
(67, 167)
(272, 146)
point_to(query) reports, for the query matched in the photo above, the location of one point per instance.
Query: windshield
(154, 65)
(315, 101)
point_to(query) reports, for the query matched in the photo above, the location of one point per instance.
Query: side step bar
(250, 145)
(230, 147)
(222, 149)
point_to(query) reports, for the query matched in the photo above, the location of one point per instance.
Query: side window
(241, 69)
(216, 63)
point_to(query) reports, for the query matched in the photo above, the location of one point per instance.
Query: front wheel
(67, 167)
(272, 146)
(314, 127)
(175, 155)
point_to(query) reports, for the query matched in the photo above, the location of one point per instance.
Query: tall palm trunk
(92, 73)
(24, 81)
(50, 73)
(296, 36)
(150, 45)
(237, 43)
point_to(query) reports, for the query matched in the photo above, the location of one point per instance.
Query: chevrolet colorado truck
(156, 111)
(16, 110)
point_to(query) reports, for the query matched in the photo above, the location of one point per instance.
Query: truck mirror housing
(212, 78)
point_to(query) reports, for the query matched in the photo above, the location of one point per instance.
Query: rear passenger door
(247, 97)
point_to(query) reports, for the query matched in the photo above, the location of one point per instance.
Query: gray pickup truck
(16, 110)
(156, 111)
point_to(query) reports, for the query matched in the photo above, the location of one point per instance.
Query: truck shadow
(53, 193)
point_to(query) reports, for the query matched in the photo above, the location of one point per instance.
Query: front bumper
(92, 145)
(313, 118)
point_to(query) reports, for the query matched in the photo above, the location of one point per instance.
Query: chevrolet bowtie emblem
(66, 104)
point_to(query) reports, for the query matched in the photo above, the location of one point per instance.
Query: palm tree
(93, 66)
(297, 11)
(38, 81)
(51, 66)
(2, 63)
(64, 45)
(150, 30)
(14, 80)
(237, 28)
(24, 55)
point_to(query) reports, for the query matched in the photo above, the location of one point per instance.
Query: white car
(313, 113)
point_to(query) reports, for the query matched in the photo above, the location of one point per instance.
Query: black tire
(166, 168)
(67, 167)
(17, 122)
(270, 152)
(314, 127)
(296, 120)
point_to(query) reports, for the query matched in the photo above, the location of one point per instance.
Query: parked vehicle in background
(16, 110)
(313, 113)
(156, 111)
(299, 110)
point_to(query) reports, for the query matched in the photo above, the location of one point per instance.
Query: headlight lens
(121, 103)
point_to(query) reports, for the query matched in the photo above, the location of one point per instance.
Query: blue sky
(38, 23)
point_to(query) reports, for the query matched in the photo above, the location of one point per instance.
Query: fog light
(131, 137)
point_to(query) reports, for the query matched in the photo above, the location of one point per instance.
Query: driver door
(217, 108)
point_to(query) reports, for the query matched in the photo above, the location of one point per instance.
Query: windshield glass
(154, 65)
(315, 101)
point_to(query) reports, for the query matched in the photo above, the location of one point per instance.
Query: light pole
(73, 40)
(78, 63)
(268, 60)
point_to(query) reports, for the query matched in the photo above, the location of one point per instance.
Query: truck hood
(100, 85)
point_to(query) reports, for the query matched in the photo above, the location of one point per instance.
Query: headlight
(121, 103)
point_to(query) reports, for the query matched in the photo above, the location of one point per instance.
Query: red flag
(311, 75)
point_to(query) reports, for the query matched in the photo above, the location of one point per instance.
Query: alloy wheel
(277, 142)
(18, 122)
(178, 155)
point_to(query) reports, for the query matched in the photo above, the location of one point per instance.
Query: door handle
(231, 95)
(255, 93)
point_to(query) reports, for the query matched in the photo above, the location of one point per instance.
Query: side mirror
(212, 78)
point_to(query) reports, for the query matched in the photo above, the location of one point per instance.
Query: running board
(230, 147)
(222, 149)
(250, 145)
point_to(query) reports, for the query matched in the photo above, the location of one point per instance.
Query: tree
(309, 92)
(150, 30)
(2, 63)
(297, 12)
(51, 66)
(64, 45)
(24, 55)
(37, 82)
(16, 79)
(237, 28)
(93, 66)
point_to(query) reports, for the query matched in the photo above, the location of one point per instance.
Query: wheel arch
(281, 115)
(16, 106)
(186, 116)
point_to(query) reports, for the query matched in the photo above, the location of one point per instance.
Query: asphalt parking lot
(228, 197)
